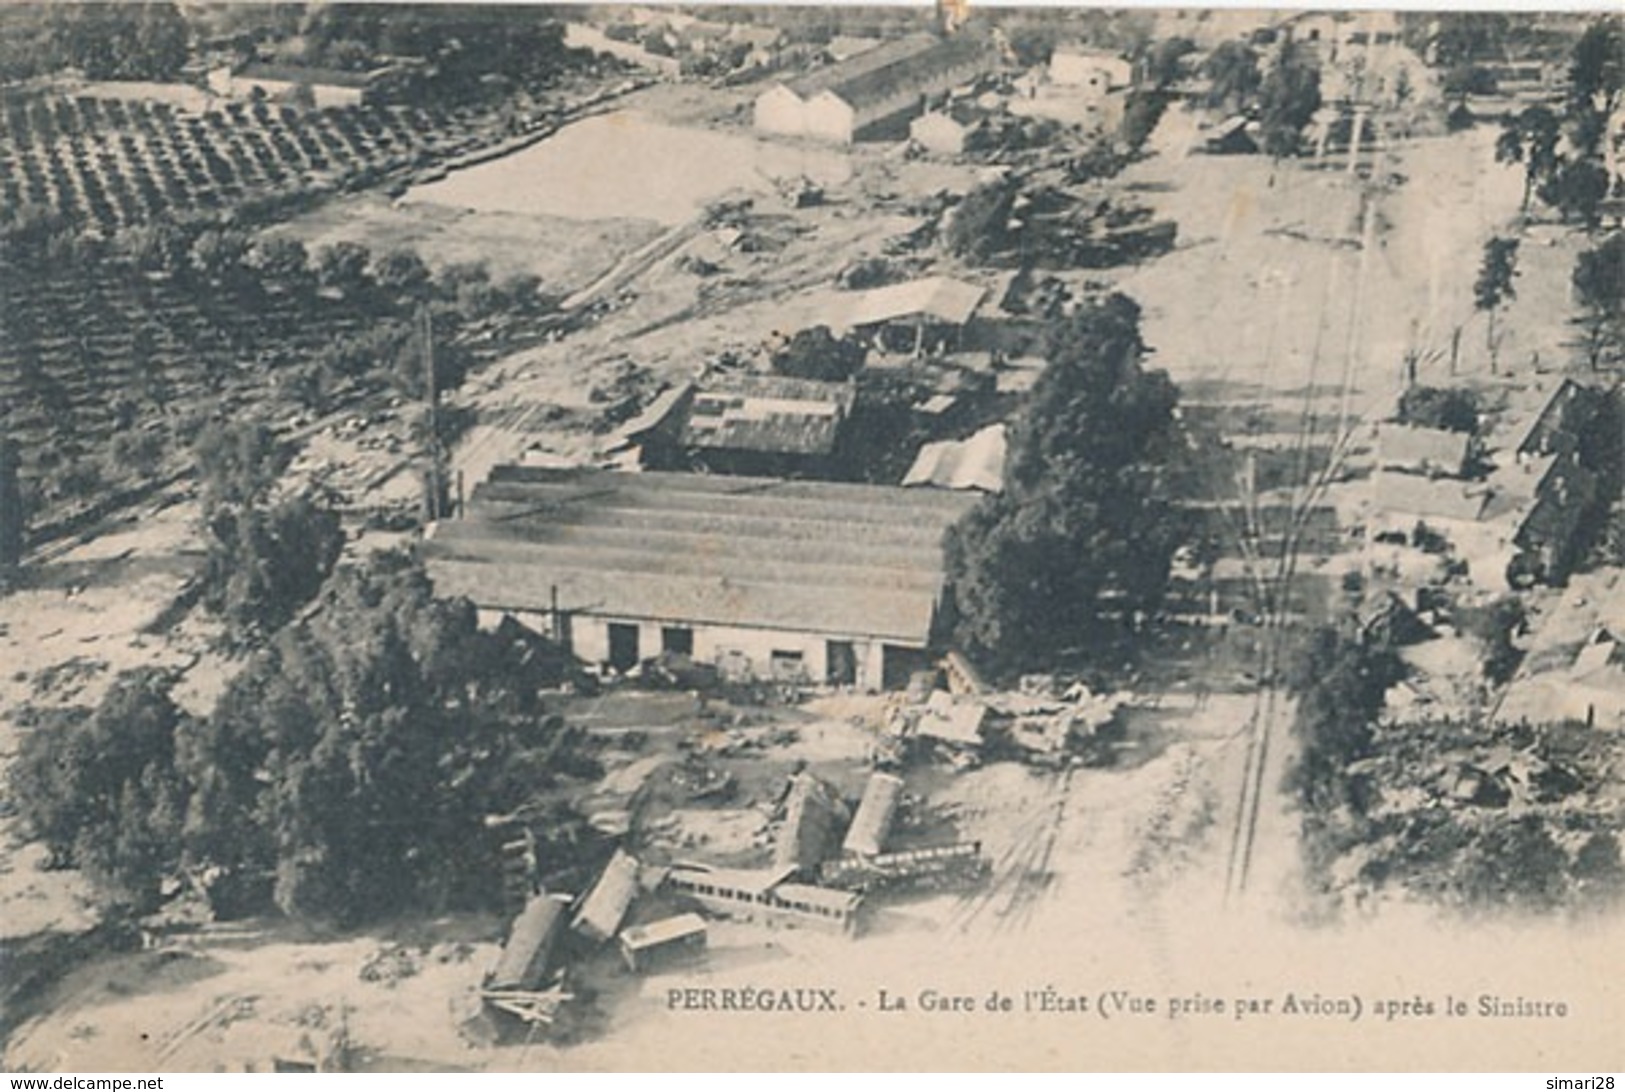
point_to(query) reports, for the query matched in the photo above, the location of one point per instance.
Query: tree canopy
(1288, 99)
(343, 775)
(1453, 409)
(266, 558)
(1083, 533)
(103, 791)
(1599, 282)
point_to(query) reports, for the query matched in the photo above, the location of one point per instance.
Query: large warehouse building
(873, 95)
(794, 580)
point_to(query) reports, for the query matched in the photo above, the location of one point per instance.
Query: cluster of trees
(464, 44)
(131, 41)
(1082, 537)
(1454, 409)
(1463, 848)
(1339, 679)
(816, 353)
(1284, 98)
(267, 556)
(343, 775)
(392, 288)
(1562, 153)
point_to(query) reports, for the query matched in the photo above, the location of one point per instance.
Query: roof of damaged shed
(768, 413)
(973, 463)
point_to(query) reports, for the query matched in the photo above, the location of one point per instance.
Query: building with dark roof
(795, 580)
(767, 425)
(874, 94)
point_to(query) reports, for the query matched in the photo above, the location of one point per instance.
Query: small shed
(876, 811)
(1233, 136)
(662, 944)
(528, 955)
(605, 906)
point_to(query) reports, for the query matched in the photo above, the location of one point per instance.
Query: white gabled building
(874, 94)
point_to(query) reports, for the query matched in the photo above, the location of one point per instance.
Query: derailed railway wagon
(934, 868)
(766, 898)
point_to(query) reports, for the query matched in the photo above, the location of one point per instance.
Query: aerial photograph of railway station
(558, 537)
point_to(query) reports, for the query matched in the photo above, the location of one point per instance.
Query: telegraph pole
(426, 334)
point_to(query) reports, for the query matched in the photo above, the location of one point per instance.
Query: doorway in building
(840, 663)
(897, 664)
(623, 646)
(677, 640)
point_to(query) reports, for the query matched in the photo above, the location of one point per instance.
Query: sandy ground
(77, 623)
(1270, 285)
(604, 167)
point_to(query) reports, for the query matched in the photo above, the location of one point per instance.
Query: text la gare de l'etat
(1112, 1004)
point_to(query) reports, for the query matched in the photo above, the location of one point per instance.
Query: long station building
(815, 581)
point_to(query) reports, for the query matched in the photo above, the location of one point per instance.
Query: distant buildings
(1521, 523)
(287, 83)
(817, 581)
(874, 94)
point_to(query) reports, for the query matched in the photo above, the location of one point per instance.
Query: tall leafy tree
(1530, 138)
(1234, 77)
(266, 557)
(1494, 287)
(1083, 533)
(1288, 99)
(1597, 67)
(1599, 285)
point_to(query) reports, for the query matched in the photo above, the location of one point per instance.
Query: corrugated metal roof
(863, 65)
(941, 298)
(894, 72)
(768, 413)
(812, 557)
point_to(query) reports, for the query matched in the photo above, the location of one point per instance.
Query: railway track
(1020, 874)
